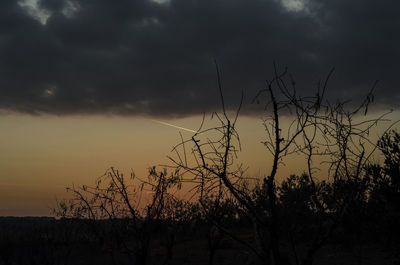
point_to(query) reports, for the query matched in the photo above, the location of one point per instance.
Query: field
(50, 241)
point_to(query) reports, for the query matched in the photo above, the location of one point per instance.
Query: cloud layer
(144, 57)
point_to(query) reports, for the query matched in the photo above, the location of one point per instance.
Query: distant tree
(383, 208)
(389, 144)
(113, 212)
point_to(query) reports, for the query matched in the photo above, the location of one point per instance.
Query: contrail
(177, 127)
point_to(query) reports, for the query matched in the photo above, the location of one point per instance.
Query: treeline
(231, 218)
(356, 211)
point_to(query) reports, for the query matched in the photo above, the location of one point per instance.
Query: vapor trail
(177, 127)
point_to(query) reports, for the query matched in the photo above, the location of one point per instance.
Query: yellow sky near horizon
(41, 155)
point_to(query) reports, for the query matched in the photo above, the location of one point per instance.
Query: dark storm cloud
(143, 57)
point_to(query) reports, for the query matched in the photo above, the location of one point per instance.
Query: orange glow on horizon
(40, 155)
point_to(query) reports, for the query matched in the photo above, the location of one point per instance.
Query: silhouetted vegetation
(346, 214)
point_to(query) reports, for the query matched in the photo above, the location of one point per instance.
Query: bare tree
(115, 213)
(335, 133)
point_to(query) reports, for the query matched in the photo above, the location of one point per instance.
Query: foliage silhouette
(318, 129)
(273, 219)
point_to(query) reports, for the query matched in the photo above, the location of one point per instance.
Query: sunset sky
(88, 84)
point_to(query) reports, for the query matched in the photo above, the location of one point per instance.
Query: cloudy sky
(81, 81)
(153, 57)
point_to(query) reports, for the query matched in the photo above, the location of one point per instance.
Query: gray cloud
(134, 57)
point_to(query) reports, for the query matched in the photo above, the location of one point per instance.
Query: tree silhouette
(114, 213)
(290, 218)
(318, 128)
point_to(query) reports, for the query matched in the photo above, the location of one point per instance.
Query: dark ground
(49, 241)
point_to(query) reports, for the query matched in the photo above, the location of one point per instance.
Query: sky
(82, 81)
